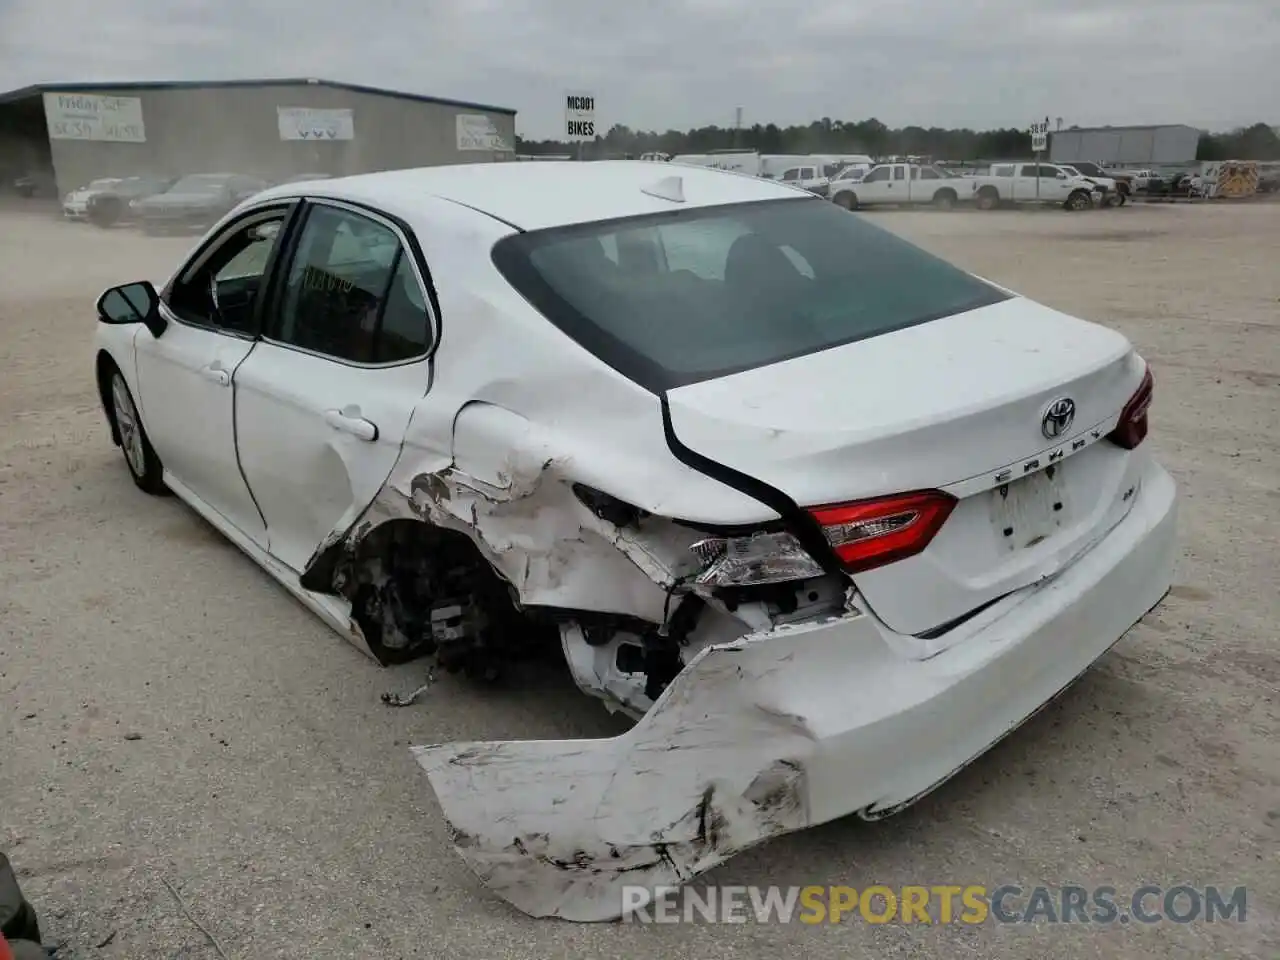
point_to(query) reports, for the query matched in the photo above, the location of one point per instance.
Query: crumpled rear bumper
(779, 731)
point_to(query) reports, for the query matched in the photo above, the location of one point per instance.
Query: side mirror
(1061, 175)
(133, 303)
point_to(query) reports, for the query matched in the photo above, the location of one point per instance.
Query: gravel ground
(169, 715)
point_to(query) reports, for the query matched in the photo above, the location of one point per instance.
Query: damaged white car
(826, 515)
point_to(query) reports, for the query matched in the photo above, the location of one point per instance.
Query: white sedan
(825, 514)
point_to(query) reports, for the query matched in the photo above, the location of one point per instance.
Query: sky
(660, 64)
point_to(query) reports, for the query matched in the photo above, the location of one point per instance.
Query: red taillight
(871, 533)
(1132, 428)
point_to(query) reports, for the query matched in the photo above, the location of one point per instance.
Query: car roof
(536, 196)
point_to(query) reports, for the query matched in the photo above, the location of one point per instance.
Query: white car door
(323, 402)
(876, 186)
(185, 376)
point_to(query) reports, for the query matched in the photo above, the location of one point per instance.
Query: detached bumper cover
(785, 730)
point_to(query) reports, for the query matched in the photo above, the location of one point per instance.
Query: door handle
(348, 420)
(217, 373)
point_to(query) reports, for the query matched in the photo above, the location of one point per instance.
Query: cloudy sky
(680, 63)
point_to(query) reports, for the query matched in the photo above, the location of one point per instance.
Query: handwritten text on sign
(83, 116)
(476, 131)
(579, 116)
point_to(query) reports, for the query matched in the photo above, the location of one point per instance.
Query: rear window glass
(672, 299)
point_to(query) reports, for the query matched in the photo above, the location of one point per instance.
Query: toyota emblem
(1057, 417)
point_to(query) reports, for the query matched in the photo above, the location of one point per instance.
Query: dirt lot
(169, 714)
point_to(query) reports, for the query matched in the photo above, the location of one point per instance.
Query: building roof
(1121, 128)
(36, 89)
(536, 196)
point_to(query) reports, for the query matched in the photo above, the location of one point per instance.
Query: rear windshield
(672, 299)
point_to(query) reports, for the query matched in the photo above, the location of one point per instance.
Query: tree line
(1256, 142)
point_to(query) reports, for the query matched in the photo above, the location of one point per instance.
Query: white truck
(1114, 192)
(809, 176)
(899, 183)
(1032, 183)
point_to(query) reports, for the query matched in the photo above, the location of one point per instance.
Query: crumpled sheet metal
(717, 765)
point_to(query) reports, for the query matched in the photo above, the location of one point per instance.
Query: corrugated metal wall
(234, 129)
(1126, 145)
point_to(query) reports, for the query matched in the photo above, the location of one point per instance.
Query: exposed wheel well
(417, 589)
(106, 366)
(988, 191)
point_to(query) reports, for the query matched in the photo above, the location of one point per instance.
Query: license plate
(1030, 510)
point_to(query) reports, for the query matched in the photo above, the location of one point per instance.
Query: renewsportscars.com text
(937, 904)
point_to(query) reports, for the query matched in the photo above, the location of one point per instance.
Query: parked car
(900, 183)
(1008, 183)
(826, 515)
(36, 185)
(75, 205)
(1115, 191)
(113, 204)
(194, 202)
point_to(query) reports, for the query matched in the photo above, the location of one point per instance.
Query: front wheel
(139, 456)
(847, 199)
(1079, 201)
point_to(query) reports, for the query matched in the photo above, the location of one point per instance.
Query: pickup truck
(811, 178)
(1032, 183)
(911, 183)
(1115, 186)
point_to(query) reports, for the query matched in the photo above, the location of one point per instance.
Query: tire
(847, 199)
(105, 212)
(18, 919)
(945, 200)
(139, 456)
(988, 199)
(1078, 201)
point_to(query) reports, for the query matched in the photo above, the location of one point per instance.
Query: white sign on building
(579, 116)
(309, 123)
(83, 116)
(478, 132)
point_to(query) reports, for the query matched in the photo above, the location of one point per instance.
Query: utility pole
(737, 128)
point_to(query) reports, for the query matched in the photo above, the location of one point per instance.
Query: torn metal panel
(558, 827)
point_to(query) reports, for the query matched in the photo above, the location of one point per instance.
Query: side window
(791, 175)
(899, 173)
(1002, 170)
(221, 289)
(351, 292)
(1030, 170)
(928, 173)
(879, 173)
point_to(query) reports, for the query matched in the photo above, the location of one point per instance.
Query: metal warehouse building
(264, 128)
(1129, 146)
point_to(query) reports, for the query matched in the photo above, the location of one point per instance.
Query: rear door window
(351, 292)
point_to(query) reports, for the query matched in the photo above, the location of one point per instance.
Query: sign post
(579, 118)
(1039, 143)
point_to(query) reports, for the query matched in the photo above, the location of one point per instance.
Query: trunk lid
(954, 404)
